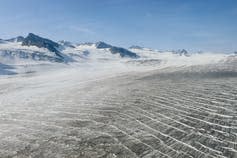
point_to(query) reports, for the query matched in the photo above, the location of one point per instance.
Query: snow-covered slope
(34, 53)
(35, 48)
(177, 58)
(91, 97)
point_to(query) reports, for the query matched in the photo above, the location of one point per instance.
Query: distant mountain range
(57, 48)
(35, 50)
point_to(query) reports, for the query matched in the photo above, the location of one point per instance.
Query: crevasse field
(162, 104)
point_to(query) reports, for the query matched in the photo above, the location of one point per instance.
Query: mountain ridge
(36, 50)
(42, 49)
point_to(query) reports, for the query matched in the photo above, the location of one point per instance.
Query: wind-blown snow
(28, 59)
(102, 105)
(169, 58)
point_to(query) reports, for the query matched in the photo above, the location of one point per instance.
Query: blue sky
(209, 25)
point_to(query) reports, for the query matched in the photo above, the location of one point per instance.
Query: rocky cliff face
(123, 52)
(34, 40)
(116, 50)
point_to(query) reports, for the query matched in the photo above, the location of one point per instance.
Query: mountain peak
(35, 40)
(116, 50)
(102, 45)
(135, 47)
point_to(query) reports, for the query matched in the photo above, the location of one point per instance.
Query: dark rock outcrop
(135, 47)
(182, 52)
(123, 52)
(102, 45)
(116, 50)
(34, 40)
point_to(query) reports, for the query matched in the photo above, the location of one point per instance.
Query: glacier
(98, 100)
